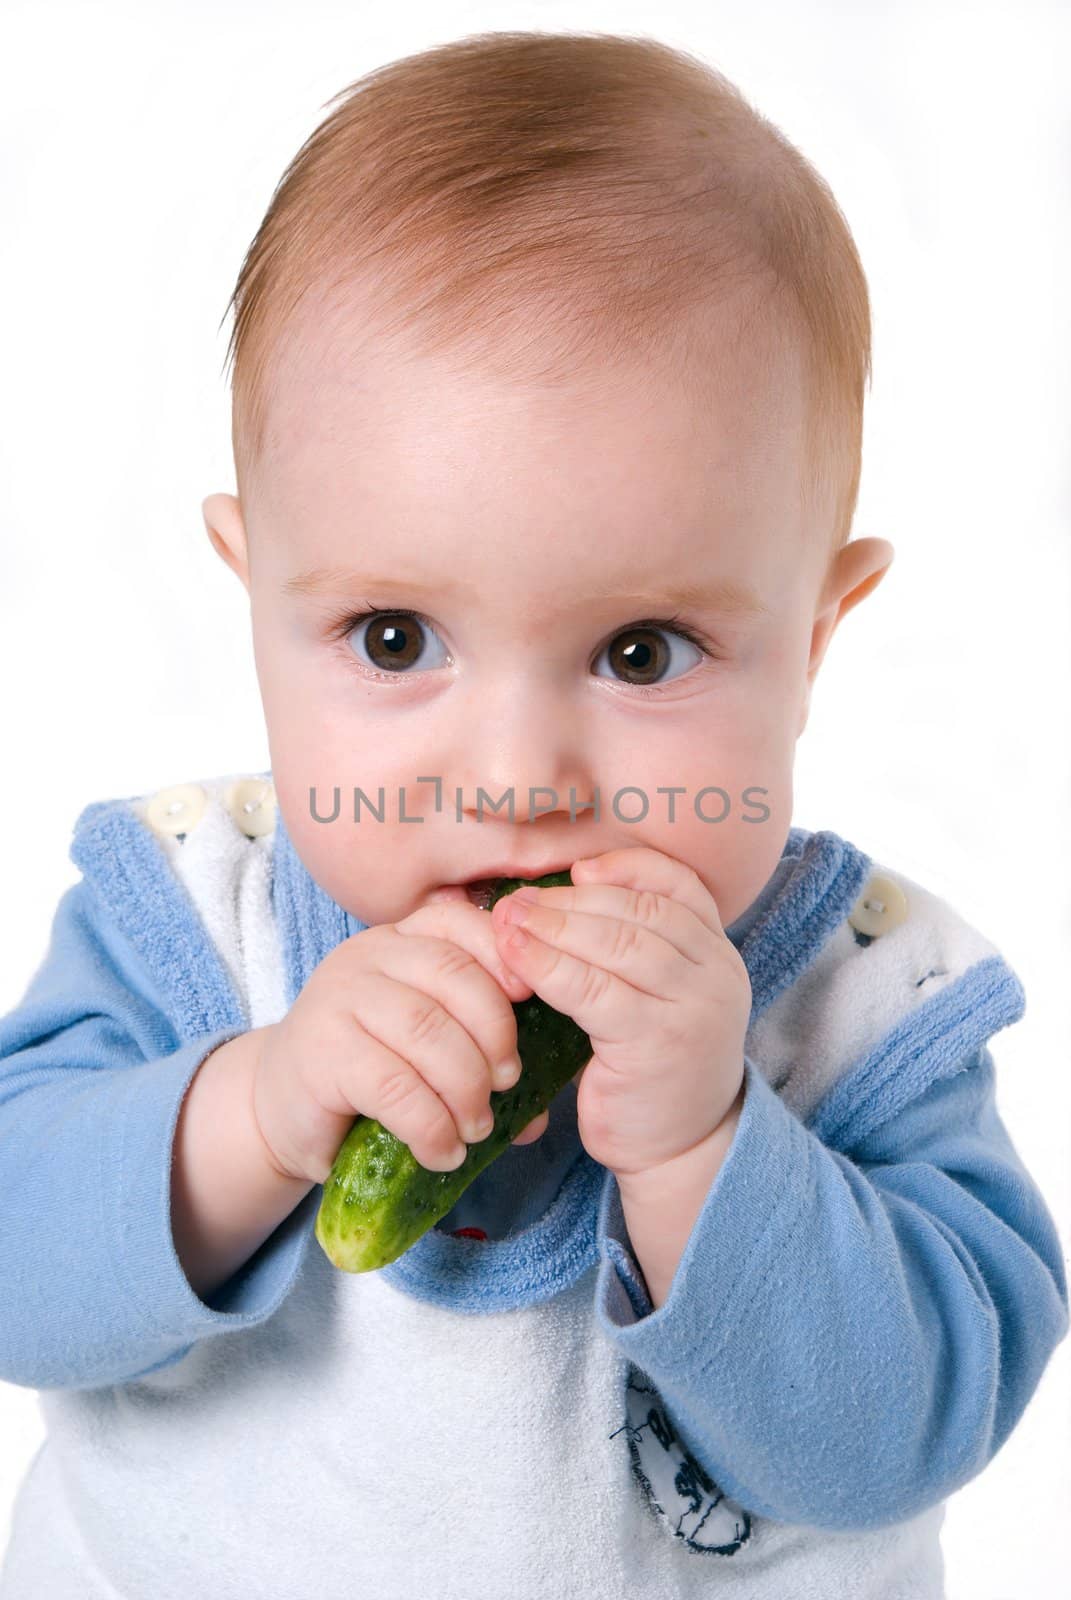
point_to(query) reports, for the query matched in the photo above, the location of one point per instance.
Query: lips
(477, 891)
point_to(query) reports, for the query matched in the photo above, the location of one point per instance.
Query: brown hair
(594, 184)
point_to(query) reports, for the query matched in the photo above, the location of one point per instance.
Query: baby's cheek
(736, 857)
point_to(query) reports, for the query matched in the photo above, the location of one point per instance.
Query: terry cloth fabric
(862, 1312)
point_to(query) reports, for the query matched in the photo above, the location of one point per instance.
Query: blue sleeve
(92, 1076)
(850, 1338)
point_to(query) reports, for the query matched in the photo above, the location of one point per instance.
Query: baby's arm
(226, 1196)
(92, 1080)
(849, 1338)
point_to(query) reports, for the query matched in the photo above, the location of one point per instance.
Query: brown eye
(393, 641)
(641, 655)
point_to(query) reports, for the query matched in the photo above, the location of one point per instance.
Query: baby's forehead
(454, 494)
(336, 379)
(607, 479)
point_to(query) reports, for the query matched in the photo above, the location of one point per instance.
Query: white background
(140, 146)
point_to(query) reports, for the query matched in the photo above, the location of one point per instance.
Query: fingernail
(505, 1075)
(480, 1128)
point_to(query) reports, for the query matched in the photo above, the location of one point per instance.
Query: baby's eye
(394, 640)
(641, 655)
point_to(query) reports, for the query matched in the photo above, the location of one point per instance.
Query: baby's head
(553, 341)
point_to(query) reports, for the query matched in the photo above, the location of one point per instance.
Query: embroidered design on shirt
(676, 1486)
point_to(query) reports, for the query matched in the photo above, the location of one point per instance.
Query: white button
(176, 810)
(251, 802)
(881, 907)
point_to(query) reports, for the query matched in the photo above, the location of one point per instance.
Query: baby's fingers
(473, 929)
(535, 1128)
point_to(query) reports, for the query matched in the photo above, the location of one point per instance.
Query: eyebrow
(723, 595)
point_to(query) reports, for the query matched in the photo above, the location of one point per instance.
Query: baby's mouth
(479, 892)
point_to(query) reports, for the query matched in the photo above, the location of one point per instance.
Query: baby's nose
(532, 752)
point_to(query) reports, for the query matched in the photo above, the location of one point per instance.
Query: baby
(549, 365)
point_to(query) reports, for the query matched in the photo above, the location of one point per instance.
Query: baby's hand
(403, 1022)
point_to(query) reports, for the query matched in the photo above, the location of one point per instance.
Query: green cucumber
(378, 1200)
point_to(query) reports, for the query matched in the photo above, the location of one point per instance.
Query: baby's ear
(873, 559)
(858, 568)
(864, 563)
(225, 526)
